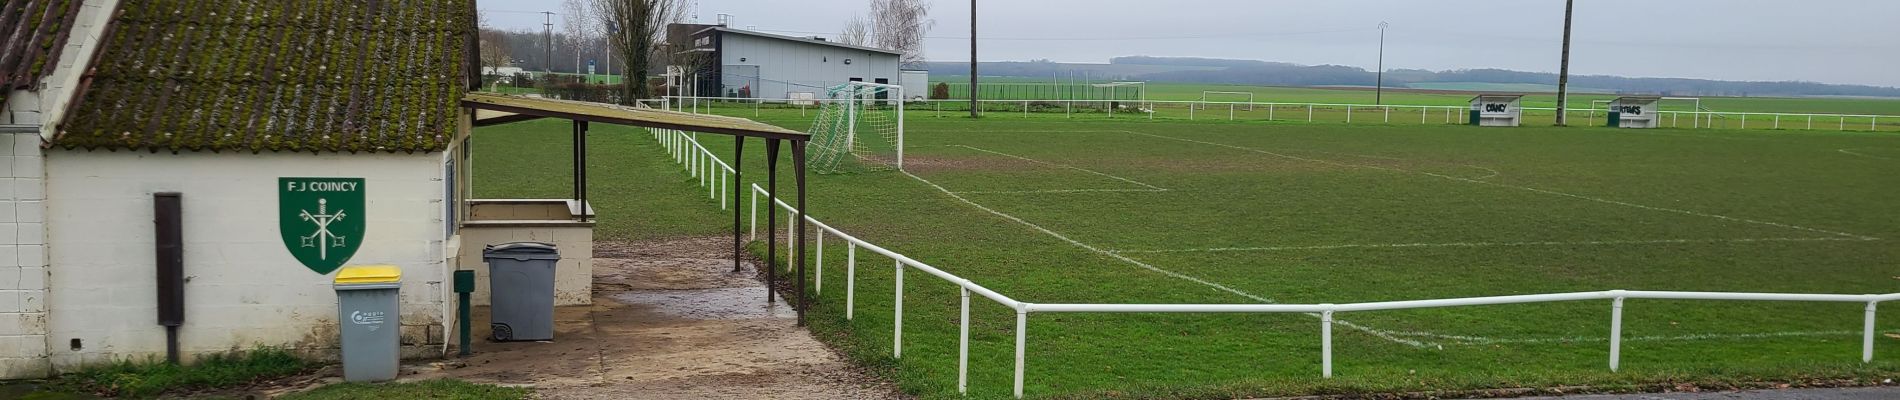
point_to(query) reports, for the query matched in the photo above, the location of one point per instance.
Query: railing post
(850, 278)
(1326, 342)
(1867, 337)
(1230, 111)
(752, 233)
(1309, 113)
(1269, 112)
(1348, 113)
(818, 279)
(1022, 324)
(963, 342)
(1616, 333)
(791, 219)
(897, 324)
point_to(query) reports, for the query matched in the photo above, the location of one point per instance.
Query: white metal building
(763, 65)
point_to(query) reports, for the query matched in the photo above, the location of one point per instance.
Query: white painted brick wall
(244, 289)
(23, 319)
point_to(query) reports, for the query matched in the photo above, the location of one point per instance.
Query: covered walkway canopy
(488, 109)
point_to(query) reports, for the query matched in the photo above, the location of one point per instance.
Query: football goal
(1230, 95)
(859, 128)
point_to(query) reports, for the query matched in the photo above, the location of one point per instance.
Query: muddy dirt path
(671, 320)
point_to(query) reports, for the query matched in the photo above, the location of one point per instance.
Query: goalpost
(1204, 94)
(859, 128)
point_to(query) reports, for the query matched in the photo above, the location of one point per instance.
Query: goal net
(860, 128)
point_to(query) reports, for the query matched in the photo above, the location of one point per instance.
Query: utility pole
(547, 25)
(973, 102)
(1563, 71)
(1378, 91)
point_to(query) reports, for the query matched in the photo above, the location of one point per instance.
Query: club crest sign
(321, 220)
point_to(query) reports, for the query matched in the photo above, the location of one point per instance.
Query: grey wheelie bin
(521, 290)
(368, 308)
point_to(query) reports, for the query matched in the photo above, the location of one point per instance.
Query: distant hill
(1255, 72)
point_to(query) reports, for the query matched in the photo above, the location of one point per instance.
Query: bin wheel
(501, 332)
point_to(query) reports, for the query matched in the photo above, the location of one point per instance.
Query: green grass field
(1094, 210)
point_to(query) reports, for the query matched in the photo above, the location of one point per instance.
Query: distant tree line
(1253, 72)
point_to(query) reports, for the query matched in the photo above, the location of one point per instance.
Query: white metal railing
(1326, 312)
(711, 172)
(1701, 119)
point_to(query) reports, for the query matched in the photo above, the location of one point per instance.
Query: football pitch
(1050, 210)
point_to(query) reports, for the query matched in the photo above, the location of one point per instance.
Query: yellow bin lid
(369, 274)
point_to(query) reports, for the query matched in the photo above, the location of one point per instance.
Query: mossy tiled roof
(276, 75)
(32, 32)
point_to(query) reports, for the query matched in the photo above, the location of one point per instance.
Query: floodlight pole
(1563, 71)
(1378, 91)
(973, 102)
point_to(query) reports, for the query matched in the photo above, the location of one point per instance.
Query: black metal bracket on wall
(169, 241)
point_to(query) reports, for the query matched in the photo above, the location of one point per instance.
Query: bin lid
(522, 247)
(368, 274)
(522, 251)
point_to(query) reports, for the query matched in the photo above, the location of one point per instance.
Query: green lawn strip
(439, 389)
(208, 373)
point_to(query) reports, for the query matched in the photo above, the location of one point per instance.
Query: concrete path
(670, 320)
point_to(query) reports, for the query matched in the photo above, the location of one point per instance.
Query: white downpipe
(1616, 333)
(897, 323)
(1326, 344)
(963, 342)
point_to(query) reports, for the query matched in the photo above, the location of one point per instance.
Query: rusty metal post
(738, 244)
(771, 219)
(798, 175)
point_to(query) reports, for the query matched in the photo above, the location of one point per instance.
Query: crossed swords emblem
(322, 218)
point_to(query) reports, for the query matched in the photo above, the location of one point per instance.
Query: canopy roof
(517, 108)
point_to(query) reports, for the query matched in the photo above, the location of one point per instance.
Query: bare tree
(494, 52)
(633, 29)
(857, 32)
(900, 25)
(579, 27)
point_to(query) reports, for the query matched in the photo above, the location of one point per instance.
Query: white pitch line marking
(1224, 288)
(1061, 191)
(1492, 173)
(1526, 188)
(1495, 244)
(1137, 183)
(1852, 153)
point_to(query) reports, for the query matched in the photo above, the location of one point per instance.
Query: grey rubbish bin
(368, 308)
(521, 290)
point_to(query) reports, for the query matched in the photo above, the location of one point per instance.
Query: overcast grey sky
(1832, 41)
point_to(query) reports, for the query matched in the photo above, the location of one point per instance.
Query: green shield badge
(321, 220)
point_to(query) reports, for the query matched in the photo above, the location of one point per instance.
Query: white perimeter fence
(1310, 112)
(696, 158)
